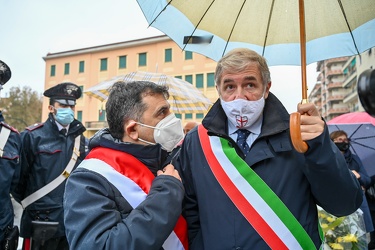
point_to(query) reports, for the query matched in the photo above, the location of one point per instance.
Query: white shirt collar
(59, 126)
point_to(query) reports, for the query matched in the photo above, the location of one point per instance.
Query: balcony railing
(335, 97)
(337, 111)
(338, 59)
(96, 125)
(334, 85)
(334, 72)
(349, 79)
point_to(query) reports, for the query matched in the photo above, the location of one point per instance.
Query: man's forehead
(156, 102)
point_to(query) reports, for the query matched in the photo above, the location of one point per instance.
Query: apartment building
(335, 91)
(87, 67)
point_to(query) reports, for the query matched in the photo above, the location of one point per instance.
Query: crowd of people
(234, 181)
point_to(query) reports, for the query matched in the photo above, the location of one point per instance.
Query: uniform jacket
(97, 215)
(9, 175)
(46, 153)
(320, 176)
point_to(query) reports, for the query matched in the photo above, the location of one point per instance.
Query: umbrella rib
(355, 131)
(234, 25)
(195, 28)
(363, 145)
(160, 13)
(268, 27)
(347, 23)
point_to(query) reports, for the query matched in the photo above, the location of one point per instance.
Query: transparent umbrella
(184, 97)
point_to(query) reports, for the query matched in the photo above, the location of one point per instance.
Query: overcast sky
(31, 29)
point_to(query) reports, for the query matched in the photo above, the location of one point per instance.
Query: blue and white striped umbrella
(333, 28)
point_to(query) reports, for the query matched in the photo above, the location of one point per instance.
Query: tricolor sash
(261, 207)
(133, 179)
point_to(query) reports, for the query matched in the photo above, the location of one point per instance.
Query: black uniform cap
(64, 93)
(5, 73)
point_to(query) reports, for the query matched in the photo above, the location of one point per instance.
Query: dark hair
(125, 102)
(337, 133)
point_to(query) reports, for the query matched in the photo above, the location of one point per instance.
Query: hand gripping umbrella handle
(295, 133)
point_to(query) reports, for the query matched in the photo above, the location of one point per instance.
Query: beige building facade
(89, 66)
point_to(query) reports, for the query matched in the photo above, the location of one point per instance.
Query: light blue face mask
(64, 116)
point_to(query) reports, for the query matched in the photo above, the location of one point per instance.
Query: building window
(199, 80)
(142, 59)
(79, 116)
(81, 67)
(53, 70)
(122, 62)
(168, 55)
(188, 116)
(199, 115)
(81, 87)
(189, 78)
(66, 68)
(210, 80)
(179, 77)
(179, 116)
(101, 115)
(103, 64)
(188, 55)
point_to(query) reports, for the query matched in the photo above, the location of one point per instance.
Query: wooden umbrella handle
(295, 133)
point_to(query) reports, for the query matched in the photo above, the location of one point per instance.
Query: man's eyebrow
(226, 80)
(250, 78)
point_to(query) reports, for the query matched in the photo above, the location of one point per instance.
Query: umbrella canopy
(271, 28)
(360, 128)
(353, 118)
(184, 97)
(287, 32)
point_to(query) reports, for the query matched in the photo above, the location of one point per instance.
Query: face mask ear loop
(150, 143)
(147, 126)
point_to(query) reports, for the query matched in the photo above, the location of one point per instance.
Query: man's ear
(267, 90)
(218, 89)
(51, 108)
(131, 130)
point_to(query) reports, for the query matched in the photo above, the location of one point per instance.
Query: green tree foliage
(22, 108)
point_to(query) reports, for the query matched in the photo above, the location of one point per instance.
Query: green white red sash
(261, 207)
(133, 179)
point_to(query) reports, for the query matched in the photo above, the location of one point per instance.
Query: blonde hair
(237, 60)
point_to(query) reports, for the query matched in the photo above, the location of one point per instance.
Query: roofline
(111, 46)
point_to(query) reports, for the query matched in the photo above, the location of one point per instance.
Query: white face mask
(168, 132)
(243, 113)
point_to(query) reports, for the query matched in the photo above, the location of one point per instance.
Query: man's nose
(240, 94)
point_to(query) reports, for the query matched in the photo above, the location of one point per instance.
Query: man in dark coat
(246, 186)
(51, 150)
(10, 147)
